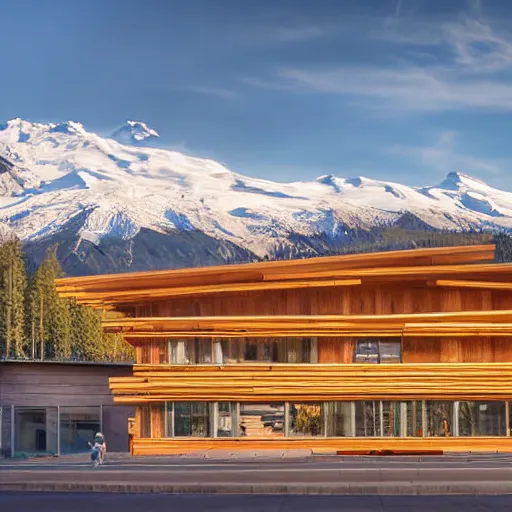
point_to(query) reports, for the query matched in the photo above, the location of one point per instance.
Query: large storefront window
(78, 425)
(370, 418)
(377, 351)
(482, 419)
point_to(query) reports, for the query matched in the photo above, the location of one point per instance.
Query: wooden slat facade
(449, 308)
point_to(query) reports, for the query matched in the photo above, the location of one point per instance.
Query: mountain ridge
(57, 175)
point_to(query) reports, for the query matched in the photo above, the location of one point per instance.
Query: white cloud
(475, 73)
(443, 156)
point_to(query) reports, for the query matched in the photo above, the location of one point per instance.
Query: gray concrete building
(56, 407)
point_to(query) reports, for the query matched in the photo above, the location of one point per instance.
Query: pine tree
(13, 286)
(49, 314)
(117, 348)
(86, 334)
(503, 243)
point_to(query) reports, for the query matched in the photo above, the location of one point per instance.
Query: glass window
(482, 419)
(191, 419)
(218, 356)
(261, 420)
(225, 419)
(376, 351)
(306, 420)
(279, 350)
(182, 351)
(439, 418)
(414, 419)
(230, 349)
(376, 418)
(391, 418)
(190, 351)
(367, 352)
(204, 351)
(30, 433)
(368, 419)
(389, 352)
(340, 419)
(78, 425)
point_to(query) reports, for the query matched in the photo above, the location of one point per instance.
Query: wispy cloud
(475, 71)
(220, 92)
(443, 156)
(287, 34)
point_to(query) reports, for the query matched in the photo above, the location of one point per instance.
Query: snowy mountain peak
(458, 180)
(56, 175)
(135, 133)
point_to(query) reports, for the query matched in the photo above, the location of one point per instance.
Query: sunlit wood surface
(318, 382)
(331, 271)
(162, 446)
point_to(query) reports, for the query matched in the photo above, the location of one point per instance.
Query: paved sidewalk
(117, 457)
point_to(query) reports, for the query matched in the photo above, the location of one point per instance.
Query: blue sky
(402, 90)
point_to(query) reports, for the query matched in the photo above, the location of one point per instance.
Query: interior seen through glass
(370, 418)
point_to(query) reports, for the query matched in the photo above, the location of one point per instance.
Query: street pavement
(314, 475)
(49, 502)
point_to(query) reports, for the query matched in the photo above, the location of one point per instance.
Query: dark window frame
(378, 355)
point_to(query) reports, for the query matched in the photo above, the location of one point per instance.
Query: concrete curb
(352, 489)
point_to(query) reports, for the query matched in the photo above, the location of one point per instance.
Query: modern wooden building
(404, 350)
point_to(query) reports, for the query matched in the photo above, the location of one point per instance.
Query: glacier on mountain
(51, 174)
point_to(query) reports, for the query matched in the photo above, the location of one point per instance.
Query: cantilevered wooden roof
(446, 266)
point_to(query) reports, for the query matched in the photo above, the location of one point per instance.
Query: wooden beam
(159, 293)
(433, 330)
(279, 322)
(402, 273)
(253, 272)
(486, 285)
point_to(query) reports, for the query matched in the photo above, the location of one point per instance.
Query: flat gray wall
(47, 385)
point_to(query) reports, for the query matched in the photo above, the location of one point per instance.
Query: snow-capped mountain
(60, 177)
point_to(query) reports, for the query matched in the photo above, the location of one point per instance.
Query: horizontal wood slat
(432, 330)
(256, 383)
(163, 446)
(485, 285)
(467, 323)
(124, 297)
(403, 273)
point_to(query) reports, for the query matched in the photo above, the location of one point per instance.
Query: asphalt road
(202, 503)
(320, 475)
